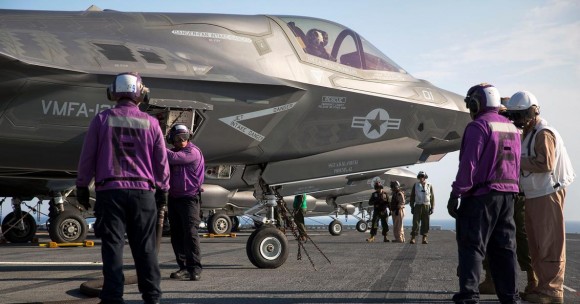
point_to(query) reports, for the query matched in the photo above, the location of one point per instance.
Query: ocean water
(445, 224)
(571, 226)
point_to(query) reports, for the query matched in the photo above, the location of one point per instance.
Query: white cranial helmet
(522, 100)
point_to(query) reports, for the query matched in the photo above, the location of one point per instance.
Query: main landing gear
(66, 221)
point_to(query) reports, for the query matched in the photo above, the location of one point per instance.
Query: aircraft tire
(335, 228)
(361, 226)
(68, 227)
(219, 223)
(249, 247)
(267, 247)
(16, 235)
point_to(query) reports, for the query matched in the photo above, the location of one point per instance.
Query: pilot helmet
(317, 37)
(522, 107)
(178, 132)
(480, 97)
(128, 85)
(422, 174)
(395, 185)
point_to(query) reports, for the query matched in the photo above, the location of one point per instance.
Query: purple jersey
(124, 149)
(187, 168)
(489, 157)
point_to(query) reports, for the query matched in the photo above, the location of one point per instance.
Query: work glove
(83, 197)
(452, 205)
(430, 211)
(161, 198)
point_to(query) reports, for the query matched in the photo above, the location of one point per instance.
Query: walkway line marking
(51, 263)
(569, 289)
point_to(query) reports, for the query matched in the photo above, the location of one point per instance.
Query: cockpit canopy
(334, 42)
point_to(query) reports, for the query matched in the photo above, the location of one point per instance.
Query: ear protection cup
(473, 105)
(110, 90)
(472, 100)
(145, 95)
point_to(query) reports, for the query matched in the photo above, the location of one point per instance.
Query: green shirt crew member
(300, 207)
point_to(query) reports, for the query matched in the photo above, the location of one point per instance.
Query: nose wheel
(267, 247)
(335, 228)
(362, 226)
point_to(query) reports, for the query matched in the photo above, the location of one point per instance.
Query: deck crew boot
(386, 239)
(425, 240)
(371, 239)
(412, 241)
(487, 286)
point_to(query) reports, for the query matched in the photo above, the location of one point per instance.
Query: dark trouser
(184, 219)
(522, 248)
(299, 220)
(421, 215)
(379, 215)
(134, 212)
(485, 224)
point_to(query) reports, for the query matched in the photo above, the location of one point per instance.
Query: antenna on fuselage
(94, 8)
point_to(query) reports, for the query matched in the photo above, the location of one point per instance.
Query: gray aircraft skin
(267, 106)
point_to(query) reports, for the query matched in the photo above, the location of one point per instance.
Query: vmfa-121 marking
(272, 101)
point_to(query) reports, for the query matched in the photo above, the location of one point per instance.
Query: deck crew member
(422, 202)
(187, 168)
(380, 201)
(398, 211)
(486, 182)
(124, 152)
(546, 172)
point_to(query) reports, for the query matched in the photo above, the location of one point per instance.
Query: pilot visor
(181, 137)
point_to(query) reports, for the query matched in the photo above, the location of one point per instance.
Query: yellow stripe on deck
(213, 235)
(56, 245)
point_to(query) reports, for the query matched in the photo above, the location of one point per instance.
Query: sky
(516, 45)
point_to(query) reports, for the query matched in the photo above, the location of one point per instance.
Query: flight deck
(359, 272)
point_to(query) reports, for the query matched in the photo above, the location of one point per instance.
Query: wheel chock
(56, 245)
(214, 235)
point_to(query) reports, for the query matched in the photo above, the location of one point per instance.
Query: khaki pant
(421, 216)
(547, 240)
(398, 225)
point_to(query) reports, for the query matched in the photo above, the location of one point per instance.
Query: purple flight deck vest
(124, 149)
(489, 158)
(187, 168)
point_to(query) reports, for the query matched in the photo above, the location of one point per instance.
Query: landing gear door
(169, 112)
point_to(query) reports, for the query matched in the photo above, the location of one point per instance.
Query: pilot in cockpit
(316, 40)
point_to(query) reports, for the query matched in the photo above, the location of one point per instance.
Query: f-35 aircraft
(275, 103)
(325, 197)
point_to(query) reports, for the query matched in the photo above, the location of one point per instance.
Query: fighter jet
(272, 101)
(333, 196)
